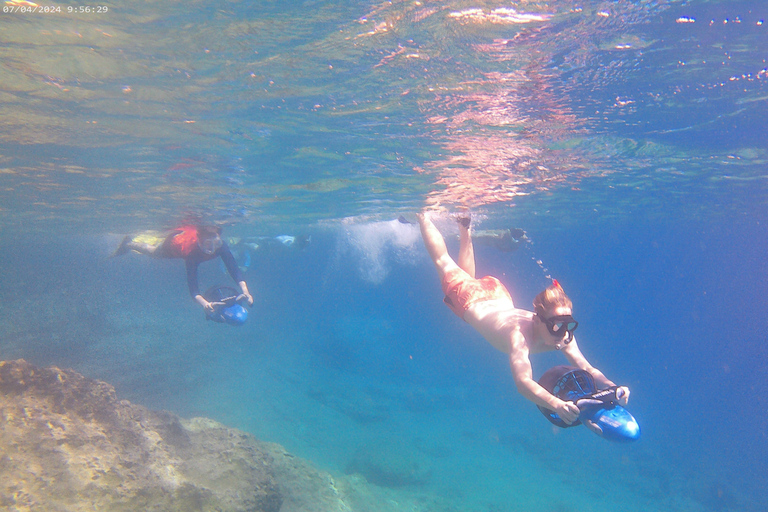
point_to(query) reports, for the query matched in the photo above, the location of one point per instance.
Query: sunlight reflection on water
(131, 118)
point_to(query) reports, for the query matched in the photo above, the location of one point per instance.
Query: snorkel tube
(226, 306)
(598, 407)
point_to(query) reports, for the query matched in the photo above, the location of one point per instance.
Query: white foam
(377, 246)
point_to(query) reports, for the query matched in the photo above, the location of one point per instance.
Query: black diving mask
(561, 326)
(210, 245)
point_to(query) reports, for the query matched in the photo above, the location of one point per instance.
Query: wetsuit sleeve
(192, 264)
(230, 263)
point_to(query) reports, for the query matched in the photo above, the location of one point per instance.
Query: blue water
(626, 138)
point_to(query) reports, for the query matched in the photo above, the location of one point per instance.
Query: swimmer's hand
(568, 412)
(245, 293)
(622, 395)
(247, 296)
(594, 427)
(207, 306)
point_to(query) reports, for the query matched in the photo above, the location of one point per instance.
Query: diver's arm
(206, 305)
(194, 290)
(576, 358)
(229, 261)
(244, 290)
(529, 388)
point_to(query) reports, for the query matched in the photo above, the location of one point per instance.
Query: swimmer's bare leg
(435, 244)
(466, 248)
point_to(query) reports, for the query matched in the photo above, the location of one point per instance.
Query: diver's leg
(128, 244)
(466, 249)
(435, 244)
(142, 248)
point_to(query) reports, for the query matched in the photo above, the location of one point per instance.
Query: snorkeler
(504, 240)
(270, 243)
(243, 249)
(486, 305)
(193, 244)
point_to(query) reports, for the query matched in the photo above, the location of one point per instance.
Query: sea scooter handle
(229, 310)
(227, 301)
(599, 410)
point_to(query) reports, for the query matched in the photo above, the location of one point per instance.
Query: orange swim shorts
(461, 290)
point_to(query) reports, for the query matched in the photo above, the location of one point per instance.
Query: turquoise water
(626, 138)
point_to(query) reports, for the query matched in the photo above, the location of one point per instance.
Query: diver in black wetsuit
(193, 244)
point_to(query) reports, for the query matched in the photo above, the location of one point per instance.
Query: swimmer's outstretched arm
(529, 388)
(207, 306)
(577, 359)
(244, 290)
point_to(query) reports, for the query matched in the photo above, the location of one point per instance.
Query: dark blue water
(331, 363)
(626, 138)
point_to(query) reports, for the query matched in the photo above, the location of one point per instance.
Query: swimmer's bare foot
(464, 220)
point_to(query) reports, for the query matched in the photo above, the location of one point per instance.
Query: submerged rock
(68, 444)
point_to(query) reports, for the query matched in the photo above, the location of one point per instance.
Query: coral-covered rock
(68, 444)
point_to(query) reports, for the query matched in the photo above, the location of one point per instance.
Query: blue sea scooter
(598, 407)
(226, 306)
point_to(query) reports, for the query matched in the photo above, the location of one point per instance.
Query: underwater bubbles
(376, 246)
